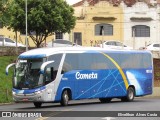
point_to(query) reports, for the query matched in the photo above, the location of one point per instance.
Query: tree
(3, 9)
(45, 17)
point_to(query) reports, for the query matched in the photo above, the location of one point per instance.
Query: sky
(71, 2)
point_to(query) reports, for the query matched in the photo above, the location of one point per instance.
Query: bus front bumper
(27, 97)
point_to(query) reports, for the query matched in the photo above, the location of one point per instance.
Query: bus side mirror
(7, 68)
(44, 65)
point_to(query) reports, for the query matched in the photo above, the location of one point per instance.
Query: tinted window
(52, 69)
(110, 43)
(1, 39)
(119, 44)
(94, 61)
(133, 60)
(9, 40)
(63, 42)
(156, 45)
(87, 61)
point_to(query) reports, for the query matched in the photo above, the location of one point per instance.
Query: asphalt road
(142, 108)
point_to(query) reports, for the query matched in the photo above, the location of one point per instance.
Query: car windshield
(27, 74)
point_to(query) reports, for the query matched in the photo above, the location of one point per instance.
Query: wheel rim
(131, 94)
(66, 98)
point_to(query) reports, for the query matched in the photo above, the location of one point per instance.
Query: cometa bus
(72, 73)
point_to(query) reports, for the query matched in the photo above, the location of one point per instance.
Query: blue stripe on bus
(109, 83)
(32, 56)
(106, 84)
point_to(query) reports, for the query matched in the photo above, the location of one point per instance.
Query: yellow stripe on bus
(119, 68)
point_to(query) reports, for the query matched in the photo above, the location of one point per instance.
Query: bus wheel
(105, 100)
(37, 104)
(64, 98)
(130, 95)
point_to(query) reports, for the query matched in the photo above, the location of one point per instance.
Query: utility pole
(103, 37)
(26, 26)
(133, 37)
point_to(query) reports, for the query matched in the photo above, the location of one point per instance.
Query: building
(141, 23)
(136, 23)
(21, 37)
(133, 22)
(97, 20)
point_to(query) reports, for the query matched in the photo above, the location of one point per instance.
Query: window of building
(141, 31)
(103, 29)
(59, 35)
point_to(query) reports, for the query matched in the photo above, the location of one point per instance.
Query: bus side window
(66, 67)
(53, 74)
(50, 75)
(98, 66)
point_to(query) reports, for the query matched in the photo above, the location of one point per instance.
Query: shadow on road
(83, 103)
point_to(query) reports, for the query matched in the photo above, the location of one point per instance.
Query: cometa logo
(86, 76)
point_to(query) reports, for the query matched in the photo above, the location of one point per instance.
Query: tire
(64, 98)
(105, 100)
(130, 95)
(37, 104)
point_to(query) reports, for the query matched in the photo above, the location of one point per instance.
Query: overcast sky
(71, 2)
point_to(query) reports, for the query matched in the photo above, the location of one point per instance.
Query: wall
(21, 38)
(86, 24)
(140, 9)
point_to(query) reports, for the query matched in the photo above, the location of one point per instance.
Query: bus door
(50, 75)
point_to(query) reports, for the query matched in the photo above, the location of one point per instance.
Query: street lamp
(26, 39)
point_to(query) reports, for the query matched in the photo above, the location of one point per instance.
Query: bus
(62, 74)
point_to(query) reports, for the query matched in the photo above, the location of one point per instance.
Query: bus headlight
(38, 92)
(13, 93)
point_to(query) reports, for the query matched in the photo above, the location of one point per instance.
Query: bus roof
(44, 52)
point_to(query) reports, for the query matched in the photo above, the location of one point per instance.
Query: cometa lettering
(86, 76)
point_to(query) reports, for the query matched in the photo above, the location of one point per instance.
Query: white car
(60, 43)
(153, 47)
(8, 42)
(114, 45)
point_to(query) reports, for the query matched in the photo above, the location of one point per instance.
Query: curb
(1, 104)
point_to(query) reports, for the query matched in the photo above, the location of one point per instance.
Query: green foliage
(45, 17)
(6, 81)
(3, 8)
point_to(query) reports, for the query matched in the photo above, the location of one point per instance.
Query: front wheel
(130, 95)
(37, 104)
(64, 98)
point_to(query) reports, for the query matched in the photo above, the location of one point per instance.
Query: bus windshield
(27, 74)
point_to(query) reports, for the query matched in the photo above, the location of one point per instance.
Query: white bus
(71, 73)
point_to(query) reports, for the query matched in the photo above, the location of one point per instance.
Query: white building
(141, 23)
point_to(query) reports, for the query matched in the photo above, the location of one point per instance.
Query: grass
(6, 81)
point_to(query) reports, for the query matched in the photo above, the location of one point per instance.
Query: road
(92, 110)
